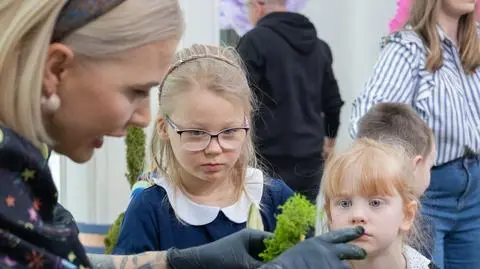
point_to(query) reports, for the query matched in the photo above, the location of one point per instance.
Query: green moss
(135, 148)
(135, 141)
(297, 218)
(112, 235)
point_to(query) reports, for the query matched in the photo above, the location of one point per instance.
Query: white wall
(96, 192)
(353, 29)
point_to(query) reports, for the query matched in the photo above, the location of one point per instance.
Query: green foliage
(297, 218)
(135, 142)
(112, 235)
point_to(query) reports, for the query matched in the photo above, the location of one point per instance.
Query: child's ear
(162, 128)
(409, 216)
(416, 161)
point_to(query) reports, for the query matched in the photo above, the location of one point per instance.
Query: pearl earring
(50, 104)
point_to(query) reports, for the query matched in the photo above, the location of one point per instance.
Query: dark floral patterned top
(28, 198)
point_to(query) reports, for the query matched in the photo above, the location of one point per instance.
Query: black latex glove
(237, 251)
(322, 252)
(241, 250)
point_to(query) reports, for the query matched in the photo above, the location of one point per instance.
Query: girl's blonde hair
(216, 69)
(424, 19)
(26, 28)
(375, 169)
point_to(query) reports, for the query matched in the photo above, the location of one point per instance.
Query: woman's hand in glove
(325, 251)
(236, 251)
(241, 250)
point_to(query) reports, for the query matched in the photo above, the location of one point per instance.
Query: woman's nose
(142, 116)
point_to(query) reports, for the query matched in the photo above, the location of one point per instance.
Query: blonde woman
(71, 73)
(433, 65)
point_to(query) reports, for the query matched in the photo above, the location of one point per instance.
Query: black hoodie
(290, 71)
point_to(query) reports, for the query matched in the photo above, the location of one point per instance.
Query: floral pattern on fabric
(28, 198)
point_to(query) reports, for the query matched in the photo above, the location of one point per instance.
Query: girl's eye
(194, 133)
(376, 202)
(344, 203)
(229, 131)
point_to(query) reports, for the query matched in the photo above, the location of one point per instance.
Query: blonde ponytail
(254, 220)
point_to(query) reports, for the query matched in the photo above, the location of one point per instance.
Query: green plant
(112, 236)
(297, 218)
(135, 141)
(135, 147)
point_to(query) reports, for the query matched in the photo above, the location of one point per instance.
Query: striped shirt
(448, 100)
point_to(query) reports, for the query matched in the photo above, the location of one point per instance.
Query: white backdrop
(353, 29)
(97, 192)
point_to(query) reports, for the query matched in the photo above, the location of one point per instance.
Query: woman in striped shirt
(433, 65)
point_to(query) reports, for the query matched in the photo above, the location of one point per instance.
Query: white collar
(415, 260)
(197, 215)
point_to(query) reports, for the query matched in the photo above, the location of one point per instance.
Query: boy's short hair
(397, 122)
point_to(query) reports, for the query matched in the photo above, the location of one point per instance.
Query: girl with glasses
(205, 177)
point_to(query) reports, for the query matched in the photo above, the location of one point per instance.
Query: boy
(399, 123)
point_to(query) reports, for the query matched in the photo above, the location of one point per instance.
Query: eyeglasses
(198, 140)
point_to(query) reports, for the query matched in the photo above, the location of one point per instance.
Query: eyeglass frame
(211, 136)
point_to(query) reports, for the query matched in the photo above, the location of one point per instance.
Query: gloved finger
(345, 265)
(342, 235)
(348, 252)
(256, 242)
(252, 263)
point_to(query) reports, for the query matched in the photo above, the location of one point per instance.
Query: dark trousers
(303, 175)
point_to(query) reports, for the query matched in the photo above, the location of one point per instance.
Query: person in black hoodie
(290, 70)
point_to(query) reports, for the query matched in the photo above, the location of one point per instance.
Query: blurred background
(97, 192)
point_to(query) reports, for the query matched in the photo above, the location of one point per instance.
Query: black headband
(77, 13)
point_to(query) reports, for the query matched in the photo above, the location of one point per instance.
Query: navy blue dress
(150, 223)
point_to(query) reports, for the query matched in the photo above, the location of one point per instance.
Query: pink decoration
(9, 262)
(401, 15)
(33, 214)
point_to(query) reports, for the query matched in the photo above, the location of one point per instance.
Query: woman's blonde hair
(424, 19)
(26, 28)
(374, 169)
